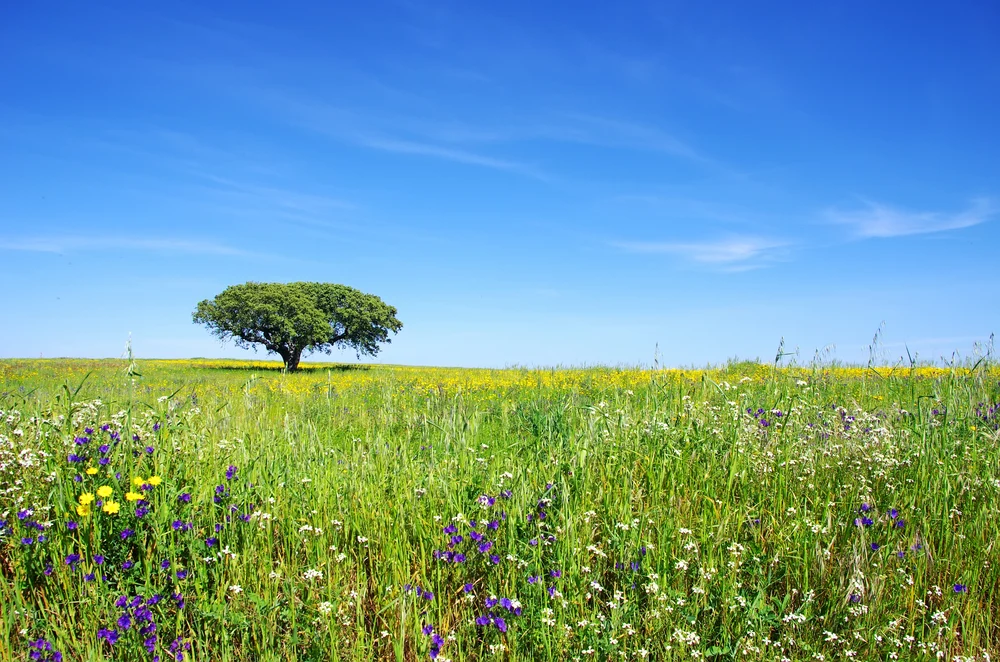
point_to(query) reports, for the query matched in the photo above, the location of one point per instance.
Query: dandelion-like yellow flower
(138, 481)
(91, 471)
(154, 480)
(104, 491)
(83, 510)
(132, 496)
(86, 499)
(111, 508)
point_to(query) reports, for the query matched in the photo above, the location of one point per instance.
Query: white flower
(325, 608)
(236, 588)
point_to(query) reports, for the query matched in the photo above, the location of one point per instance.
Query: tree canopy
(291, 318)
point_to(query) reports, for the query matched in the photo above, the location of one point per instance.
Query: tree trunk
(291, 358)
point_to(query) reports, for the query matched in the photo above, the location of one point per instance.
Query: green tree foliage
(291, 318)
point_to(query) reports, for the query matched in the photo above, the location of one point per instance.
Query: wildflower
(141, 511)
(211, 542)
(875, 546)
(467, 588)
(236, 588)
(110, 636)
(133, 496)
(86, 499)
(91, 471)
(961, 588)
(127, 533)
(138, 481)
(230, 472)
(71, 525)
(165, 564)
(155, 480)
(104, 448)
(182, 574)
(83, 510)
(124, 622)
(184, 497)
(88, 577)
(99, 560)
(104, 491)
(27, 541)
(127, 565)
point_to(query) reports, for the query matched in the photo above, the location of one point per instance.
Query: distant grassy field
(223, 510)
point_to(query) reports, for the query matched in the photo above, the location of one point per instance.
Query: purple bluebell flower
(211, 542)
(960, 588)
(230, 472)
(124, 622)
(467, 588)
(71, 525)
(99, 559)
(127, 565)
(184, 497)
(126, 534)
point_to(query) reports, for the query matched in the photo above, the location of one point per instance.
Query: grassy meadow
(224, 510)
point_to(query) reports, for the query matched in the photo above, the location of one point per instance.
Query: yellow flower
(91, 471)
(104, 491)
(138, 481)
(132, 496)
(154, 480)
(86, 499)
(111, 508)
(83, 510)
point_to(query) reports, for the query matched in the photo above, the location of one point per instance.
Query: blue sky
(527, 185)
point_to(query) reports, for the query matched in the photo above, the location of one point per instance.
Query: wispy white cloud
(450, 154)
(878, 220)
(71, 243)
(731, 252)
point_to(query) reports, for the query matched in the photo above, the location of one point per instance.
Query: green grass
(680, 526)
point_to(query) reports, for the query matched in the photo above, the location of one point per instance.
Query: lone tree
(290, 318)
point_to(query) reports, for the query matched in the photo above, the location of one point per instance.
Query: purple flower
(141, 511)
(110, 636)
(495, 560)
(428, 596)
(99, 559)
(124, 622)
(482, 620)
(127, 565)
(71, 525)
(88, 577)
(88, 430)
(467, 588)
(865, 507)
(73, 457)
(854, 597)
(104, 461)
(185, 497)
(961, 588)
(532, 580)
(177, 525)
(165, 564)
(900, 523)
(211, 542)
(875, 546)
(893, 514)
(27, 541)
(230, 472)
(485, 547)
(126, 534)
(459, 558)
(500, 623)
(427, 629)
(149, 450)
(182, 574)
(156, 426)
(556, 573)
(493, 525)
(72, 559)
